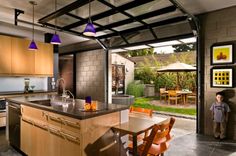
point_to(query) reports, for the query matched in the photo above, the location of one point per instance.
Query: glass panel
(46, 7)
(64, 20)
(118, 2)
(111, 19)
(96, 8)
(128, 26)
(163, 17)
(155, 5)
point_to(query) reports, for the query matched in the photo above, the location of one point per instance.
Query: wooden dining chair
(163, 94)
(141, 111)
(173, 96)
(191, 97)
(156, 145)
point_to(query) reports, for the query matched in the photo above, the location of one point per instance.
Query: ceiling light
(33, 45)
(89, 29)
(189, 40)
(55, 38)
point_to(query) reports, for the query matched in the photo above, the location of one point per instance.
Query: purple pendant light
(89, 29)
(55, 38)
(33, 45)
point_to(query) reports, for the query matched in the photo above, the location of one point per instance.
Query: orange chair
(173, 96)
(156, 145)
(139, 110)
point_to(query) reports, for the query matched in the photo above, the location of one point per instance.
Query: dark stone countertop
(73, 110)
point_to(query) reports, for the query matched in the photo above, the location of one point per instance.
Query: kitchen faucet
(64, 95)
(73, 98)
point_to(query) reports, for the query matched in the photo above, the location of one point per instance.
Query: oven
(2, 112)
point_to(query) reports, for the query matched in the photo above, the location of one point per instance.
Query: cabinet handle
(71, 123)
(55, 131)
(42, 126)
(27, 120)
(71, 137)
(57, 119)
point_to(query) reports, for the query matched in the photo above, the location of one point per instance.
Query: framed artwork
(222, 77)
(222, 54)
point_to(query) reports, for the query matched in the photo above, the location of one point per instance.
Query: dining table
(183, 93)
(137, 125)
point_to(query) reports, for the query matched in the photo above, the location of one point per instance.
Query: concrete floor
(185, 142)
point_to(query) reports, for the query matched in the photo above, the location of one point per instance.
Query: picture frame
(222, 77)
(222, 54)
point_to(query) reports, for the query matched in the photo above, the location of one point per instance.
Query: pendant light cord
(33, 22)
(55, 18)
(90, 21)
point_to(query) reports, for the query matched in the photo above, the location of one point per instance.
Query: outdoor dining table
(183, 94)
(135, 126)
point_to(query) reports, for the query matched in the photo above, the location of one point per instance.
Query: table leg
(135, 147)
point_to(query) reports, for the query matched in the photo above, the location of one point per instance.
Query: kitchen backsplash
(8, 84)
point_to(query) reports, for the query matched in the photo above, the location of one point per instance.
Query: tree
(184, 47)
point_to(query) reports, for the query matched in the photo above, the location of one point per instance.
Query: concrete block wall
(218, 26)
(90, 75)
(129, 67)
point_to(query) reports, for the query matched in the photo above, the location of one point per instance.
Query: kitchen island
(55, 128)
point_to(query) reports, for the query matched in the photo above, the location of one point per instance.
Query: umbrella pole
(177, 79)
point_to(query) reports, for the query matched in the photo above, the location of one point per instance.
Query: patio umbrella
(177, 67)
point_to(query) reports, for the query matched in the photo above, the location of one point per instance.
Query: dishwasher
(14, 117)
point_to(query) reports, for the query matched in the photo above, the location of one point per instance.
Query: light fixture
(33, 45)
(55, 38)
(89, 29)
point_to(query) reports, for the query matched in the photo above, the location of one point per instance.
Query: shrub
(136, 89)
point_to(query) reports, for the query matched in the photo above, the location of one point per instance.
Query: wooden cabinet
(23, 60)
(5, 55)
(26, 140)
(44, 59)
(17, 60)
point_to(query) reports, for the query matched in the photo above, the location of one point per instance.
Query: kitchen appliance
(2, 112)
(14, 115)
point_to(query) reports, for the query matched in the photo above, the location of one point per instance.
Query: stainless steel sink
(46, 102)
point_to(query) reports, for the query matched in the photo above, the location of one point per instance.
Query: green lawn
(145, 103)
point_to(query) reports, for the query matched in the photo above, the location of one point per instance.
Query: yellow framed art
(222, 77)
(222, 54)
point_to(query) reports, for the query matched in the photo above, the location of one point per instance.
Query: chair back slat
(141, 110)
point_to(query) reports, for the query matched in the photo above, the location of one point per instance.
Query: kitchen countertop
(73, 110)
(22, 93)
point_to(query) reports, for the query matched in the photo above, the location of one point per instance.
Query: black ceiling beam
(156, 24)
(101, 26)
(142, 17)
(64, 10)
(70, 31)
(109, 12)
(187, 35)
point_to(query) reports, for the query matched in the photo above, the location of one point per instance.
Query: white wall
(8, 84)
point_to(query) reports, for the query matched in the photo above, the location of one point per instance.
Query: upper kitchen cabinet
(5, 55)
(44, 59)
(23, 60)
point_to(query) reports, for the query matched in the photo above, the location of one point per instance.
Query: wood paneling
(23, 60)
(5, 54)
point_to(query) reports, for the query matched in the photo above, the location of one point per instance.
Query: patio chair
(141, 112)
(158, 140)
(173, 96)
(163, 94)
(191, 97)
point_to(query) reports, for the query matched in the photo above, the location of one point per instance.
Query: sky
(164, 50)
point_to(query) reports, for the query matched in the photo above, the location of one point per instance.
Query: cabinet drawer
(33, 113)
(71, 124)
